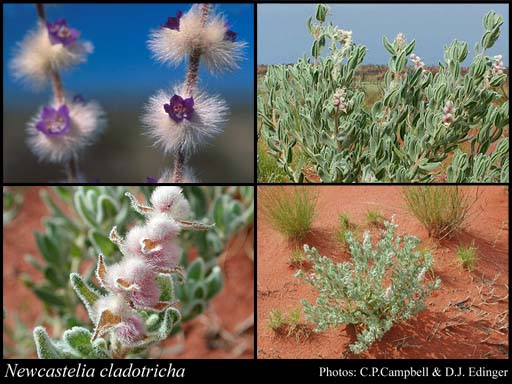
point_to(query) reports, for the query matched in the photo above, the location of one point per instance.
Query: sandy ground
(209, 336)
(466, 318)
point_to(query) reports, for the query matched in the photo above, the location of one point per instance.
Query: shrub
(467, 256)
(381, 286)
(290, 212)
(442, 210)
(421, 129)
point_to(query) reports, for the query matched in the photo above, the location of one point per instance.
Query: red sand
(475, 328)
(231, 307)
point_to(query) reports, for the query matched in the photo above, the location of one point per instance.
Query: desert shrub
(467, 257)
(290, 211)
(442, 210)
(420, 129)
(380, 286)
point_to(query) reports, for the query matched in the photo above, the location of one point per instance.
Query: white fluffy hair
(210, 112)
(87, 121)
(114, 303)
(170, 200)
(160, 227)
(35, 57)
(173, 47)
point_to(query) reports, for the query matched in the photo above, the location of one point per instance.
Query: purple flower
(151, 180)
(54, 122)
(230, 35)
(59, 33)
(179, 108)
(173, 22)
(79, 99)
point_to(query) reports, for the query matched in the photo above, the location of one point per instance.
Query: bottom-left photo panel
(127, 272)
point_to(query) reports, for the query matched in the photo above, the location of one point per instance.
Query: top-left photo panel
(128, 93)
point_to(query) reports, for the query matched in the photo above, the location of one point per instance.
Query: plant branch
(190, 84)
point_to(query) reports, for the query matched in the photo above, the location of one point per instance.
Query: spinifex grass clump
(381, 286)
(467, 257)
(135, 307)
(290, 210)
(184, 117)
(61, 130)
(409, 134)
(443, 210)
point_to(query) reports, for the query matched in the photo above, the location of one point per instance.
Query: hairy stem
(190, 83)
(58, 91)
(179, 166)
(72, 170)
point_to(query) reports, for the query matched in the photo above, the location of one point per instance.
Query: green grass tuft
(375, 218)
(290, 210)
(467, 257)
(443, 210)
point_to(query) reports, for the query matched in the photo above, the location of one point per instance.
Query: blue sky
(121, 64)
(283, 36)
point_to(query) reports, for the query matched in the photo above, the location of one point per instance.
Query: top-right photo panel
(394, 93)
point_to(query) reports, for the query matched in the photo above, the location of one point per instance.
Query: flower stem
(58, 91)
(72, 170)
(179, 166)
(190, 83)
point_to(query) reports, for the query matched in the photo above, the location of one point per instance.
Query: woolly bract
(87, 122)
(36, 57)
(175, 46)
(210, 112)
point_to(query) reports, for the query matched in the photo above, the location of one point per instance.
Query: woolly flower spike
(175, 124)
(340, 100)
(400, 41)
(448, 112)
(421, 275)
(184, 35)
(37, 55)
(170, 200)
(418, 63)
(344, 37)
(134, 279)
(497, 66)
(112, 313)
(389, 293)
(59, 132)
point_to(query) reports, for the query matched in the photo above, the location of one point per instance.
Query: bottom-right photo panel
(383, 272)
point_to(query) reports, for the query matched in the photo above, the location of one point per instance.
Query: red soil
(466, 318)
(233, 306)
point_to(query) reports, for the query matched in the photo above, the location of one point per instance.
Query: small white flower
(210, 112)
(35, 57)
(389, 292)
(87, 121)
(497, 66)
(173, 46)
(421, 275)
(400, 41)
